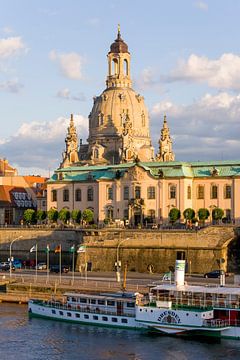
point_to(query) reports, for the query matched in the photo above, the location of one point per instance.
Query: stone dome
(119, 46)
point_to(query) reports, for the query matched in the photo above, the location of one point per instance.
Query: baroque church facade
(118, 176)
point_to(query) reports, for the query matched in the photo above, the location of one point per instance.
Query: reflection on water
(36, 339)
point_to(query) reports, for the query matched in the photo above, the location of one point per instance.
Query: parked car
(17, 263)
(56, 268)
(214, 274)
(42, 266)
(5, 266)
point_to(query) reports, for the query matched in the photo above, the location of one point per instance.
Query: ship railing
(61, 306)
(216, 323)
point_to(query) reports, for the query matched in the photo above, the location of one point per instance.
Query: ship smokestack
(180, 272)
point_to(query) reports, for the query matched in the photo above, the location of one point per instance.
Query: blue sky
(185, 61)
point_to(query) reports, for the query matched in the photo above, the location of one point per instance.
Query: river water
(22, 338)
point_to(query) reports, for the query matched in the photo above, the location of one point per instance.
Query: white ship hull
(69, 315)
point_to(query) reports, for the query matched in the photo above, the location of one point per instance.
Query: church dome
(119, 119)
(119, 46)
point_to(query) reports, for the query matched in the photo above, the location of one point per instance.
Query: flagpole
(73, 265)
(47, 263)
(60, 264)
(36, 263)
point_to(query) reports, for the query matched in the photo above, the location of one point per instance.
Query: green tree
(76, 216)
(41, 215)
(217, 214)
(64, 215)
(88, 216)
(174, 215)
(203, 214)
(30, 216)
(189, 214)
(52, 215)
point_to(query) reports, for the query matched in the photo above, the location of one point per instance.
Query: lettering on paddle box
(169, 317)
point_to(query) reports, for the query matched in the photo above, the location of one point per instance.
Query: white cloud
(223, 73)
(11, 46)
(66, 94)
(201, 5)
(7, 30)
(207, 129)
(70, 64)
(12, 86)
(40, 144)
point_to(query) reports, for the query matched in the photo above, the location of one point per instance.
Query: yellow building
(117, 175)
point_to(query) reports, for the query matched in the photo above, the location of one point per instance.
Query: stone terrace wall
(157, 248)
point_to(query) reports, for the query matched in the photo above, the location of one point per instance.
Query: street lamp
(118, 262)
(10, 253)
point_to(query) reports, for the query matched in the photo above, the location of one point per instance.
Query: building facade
(147, 191)
(117, 175)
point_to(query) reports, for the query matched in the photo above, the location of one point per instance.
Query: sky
(185, 61)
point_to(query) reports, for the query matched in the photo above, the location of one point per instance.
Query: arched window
(125, 67)
(137, 192)
(143, 119)
(65, 195)
(90, 193)
(189, 192)
(78, 195)
(200, 192)
(110, 213)
(172, 191)
(214, 192)
(227, 191)
(109, 193)
(126, 193)
(114, 67)
(95, 153)
(54, 195)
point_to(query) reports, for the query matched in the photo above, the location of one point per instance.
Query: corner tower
(70, 155)
(119, 122)
(165, 152)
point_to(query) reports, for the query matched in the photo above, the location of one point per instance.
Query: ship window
(83, 300)
(111, 303)
(95, 317)
(124, 321)
(77, 315)
(86, 316)
(101, 302)
(93, 301)
(74, 299)
(104, 318)
(187, 314)
(53, 312)
(69, 314)
(114, 320)
(60, 312)
(196, 315)
(130, 304)
(140, 309)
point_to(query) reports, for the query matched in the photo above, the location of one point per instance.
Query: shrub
(189, 214)
(30, 216)
(52, 215)
(88, 216)
(174, 215)
(203, 214)
(41, 215)
(76, 216)
(64, 215)
(217, 214)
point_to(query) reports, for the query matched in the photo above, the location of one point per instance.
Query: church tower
(70, 155)
(119, 122)
(165, 152)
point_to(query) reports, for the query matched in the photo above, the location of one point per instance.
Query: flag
(33, 248)
(47, 248)
(81, 249)
(72, 249)
(58, 249)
